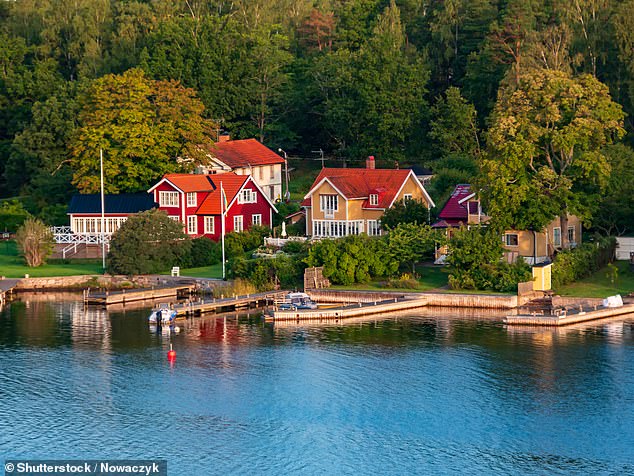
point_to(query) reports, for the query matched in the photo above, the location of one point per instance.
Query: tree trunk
(563, 223)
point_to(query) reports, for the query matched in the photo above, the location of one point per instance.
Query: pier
(567, 318)
(107, 298)
(203, 306)
(6, 287)
(350, 310)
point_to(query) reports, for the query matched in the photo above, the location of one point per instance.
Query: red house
(197, 201)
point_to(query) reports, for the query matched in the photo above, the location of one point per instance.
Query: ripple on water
(412, 394)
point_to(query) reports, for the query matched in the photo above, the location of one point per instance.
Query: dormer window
(374, 199)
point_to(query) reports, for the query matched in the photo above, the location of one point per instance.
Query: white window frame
(374, 228)
(192, 230)
(238, 223)
(571, 240)
(175, 217)
(272, 172)
(407, 197)
(374, 199)
(329, 204)
(247, 196)
(168, 199)
(210, 220)
(508, 235)
(557, 234)
(256, 219)
(192, 199)
(261, 172)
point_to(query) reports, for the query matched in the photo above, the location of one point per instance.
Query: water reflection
(431, 392)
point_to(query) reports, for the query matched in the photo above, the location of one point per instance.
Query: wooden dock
(106, 298)
(568, 318)
(6, 287)
(351, 310)
(203, 306)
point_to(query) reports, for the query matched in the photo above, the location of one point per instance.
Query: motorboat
(293, 301)
(163, 314)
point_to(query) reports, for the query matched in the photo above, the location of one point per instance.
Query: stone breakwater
(76, 283)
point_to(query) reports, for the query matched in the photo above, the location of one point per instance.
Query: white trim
(325, 179)
(468, 197)
(560, 236)
(270, 219)
(169, 194)
(195, 227)
(430, 202)
(250, 179)
(259, 215)
(219, 163)
(206, 219)
(164, 179)
(241, 217)
(192, 194)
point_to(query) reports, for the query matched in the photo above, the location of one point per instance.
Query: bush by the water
(204, 252)
(353, 259)
(586, 259)
(475, 259)
(268, 273)
(148, 242)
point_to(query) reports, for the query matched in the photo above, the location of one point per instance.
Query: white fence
(64, 234)
(624, 246)
(280, 242)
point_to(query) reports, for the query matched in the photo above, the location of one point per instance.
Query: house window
(168, 199)
(247, 196)
(374, 228)
(557, 236)
(209, 225)
(511, 239)
(192, 225)
(237, 223)
(571, 234)
(261, 172)
(174, 217)
(191, 199)
(407, 197)
(272, 172)
(374, 199)
(329, 205)
(256, 219)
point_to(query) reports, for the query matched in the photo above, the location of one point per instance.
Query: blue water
(420, 394)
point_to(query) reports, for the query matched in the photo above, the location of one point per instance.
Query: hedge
(583, 261)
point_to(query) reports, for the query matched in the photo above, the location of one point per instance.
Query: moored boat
(163, 314)
(294, 301)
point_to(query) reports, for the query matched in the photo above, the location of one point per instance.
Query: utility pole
(103, 212)
(320, 152)
(287, 195)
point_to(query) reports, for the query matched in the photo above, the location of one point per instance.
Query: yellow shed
(542, 274)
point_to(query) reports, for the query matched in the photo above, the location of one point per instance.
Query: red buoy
(171, 355)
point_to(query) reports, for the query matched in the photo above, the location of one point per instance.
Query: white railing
(63, 234)
(280, 242)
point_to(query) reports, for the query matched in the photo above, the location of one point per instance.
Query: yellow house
(345, 202)
(464, 208)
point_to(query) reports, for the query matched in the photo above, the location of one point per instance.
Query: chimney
(369, 162)
(224, 137)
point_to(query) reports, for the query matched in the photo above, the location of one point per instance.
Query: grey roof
(119, 203)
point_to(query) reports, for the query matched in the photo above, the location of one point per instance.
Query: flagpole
(103, 219)
(222, 218)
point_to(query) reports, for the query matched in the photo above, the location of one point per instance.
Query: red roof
(242, 153)
(190, 182)
(454, 213)
(231, 184)
(361, 183)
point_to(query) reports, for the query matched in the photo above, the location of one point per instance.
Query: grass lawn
(12, 266)
(599, 285)
(429, 278)
(214, 271)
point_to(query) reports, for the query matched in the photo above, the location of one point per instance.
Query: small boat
(293, 301)
(163, 314)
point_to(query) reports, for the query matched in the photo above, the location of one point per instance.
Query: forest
(532, 101)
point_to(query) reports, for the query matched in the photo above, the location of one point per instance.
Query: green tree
(411, 211)
(546, 143)
(615, 215)
(143, 126)
(410, 243)
(12, 215)
(35, 242)
(148, 242)
(475, 261)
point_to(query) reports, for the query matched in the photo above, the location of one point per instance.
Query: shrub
(35, 241)
(12, 215)
(237, 244)
(204, 252)
(268, 273)
(475, 259)
(148, 242)
(572, 265)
